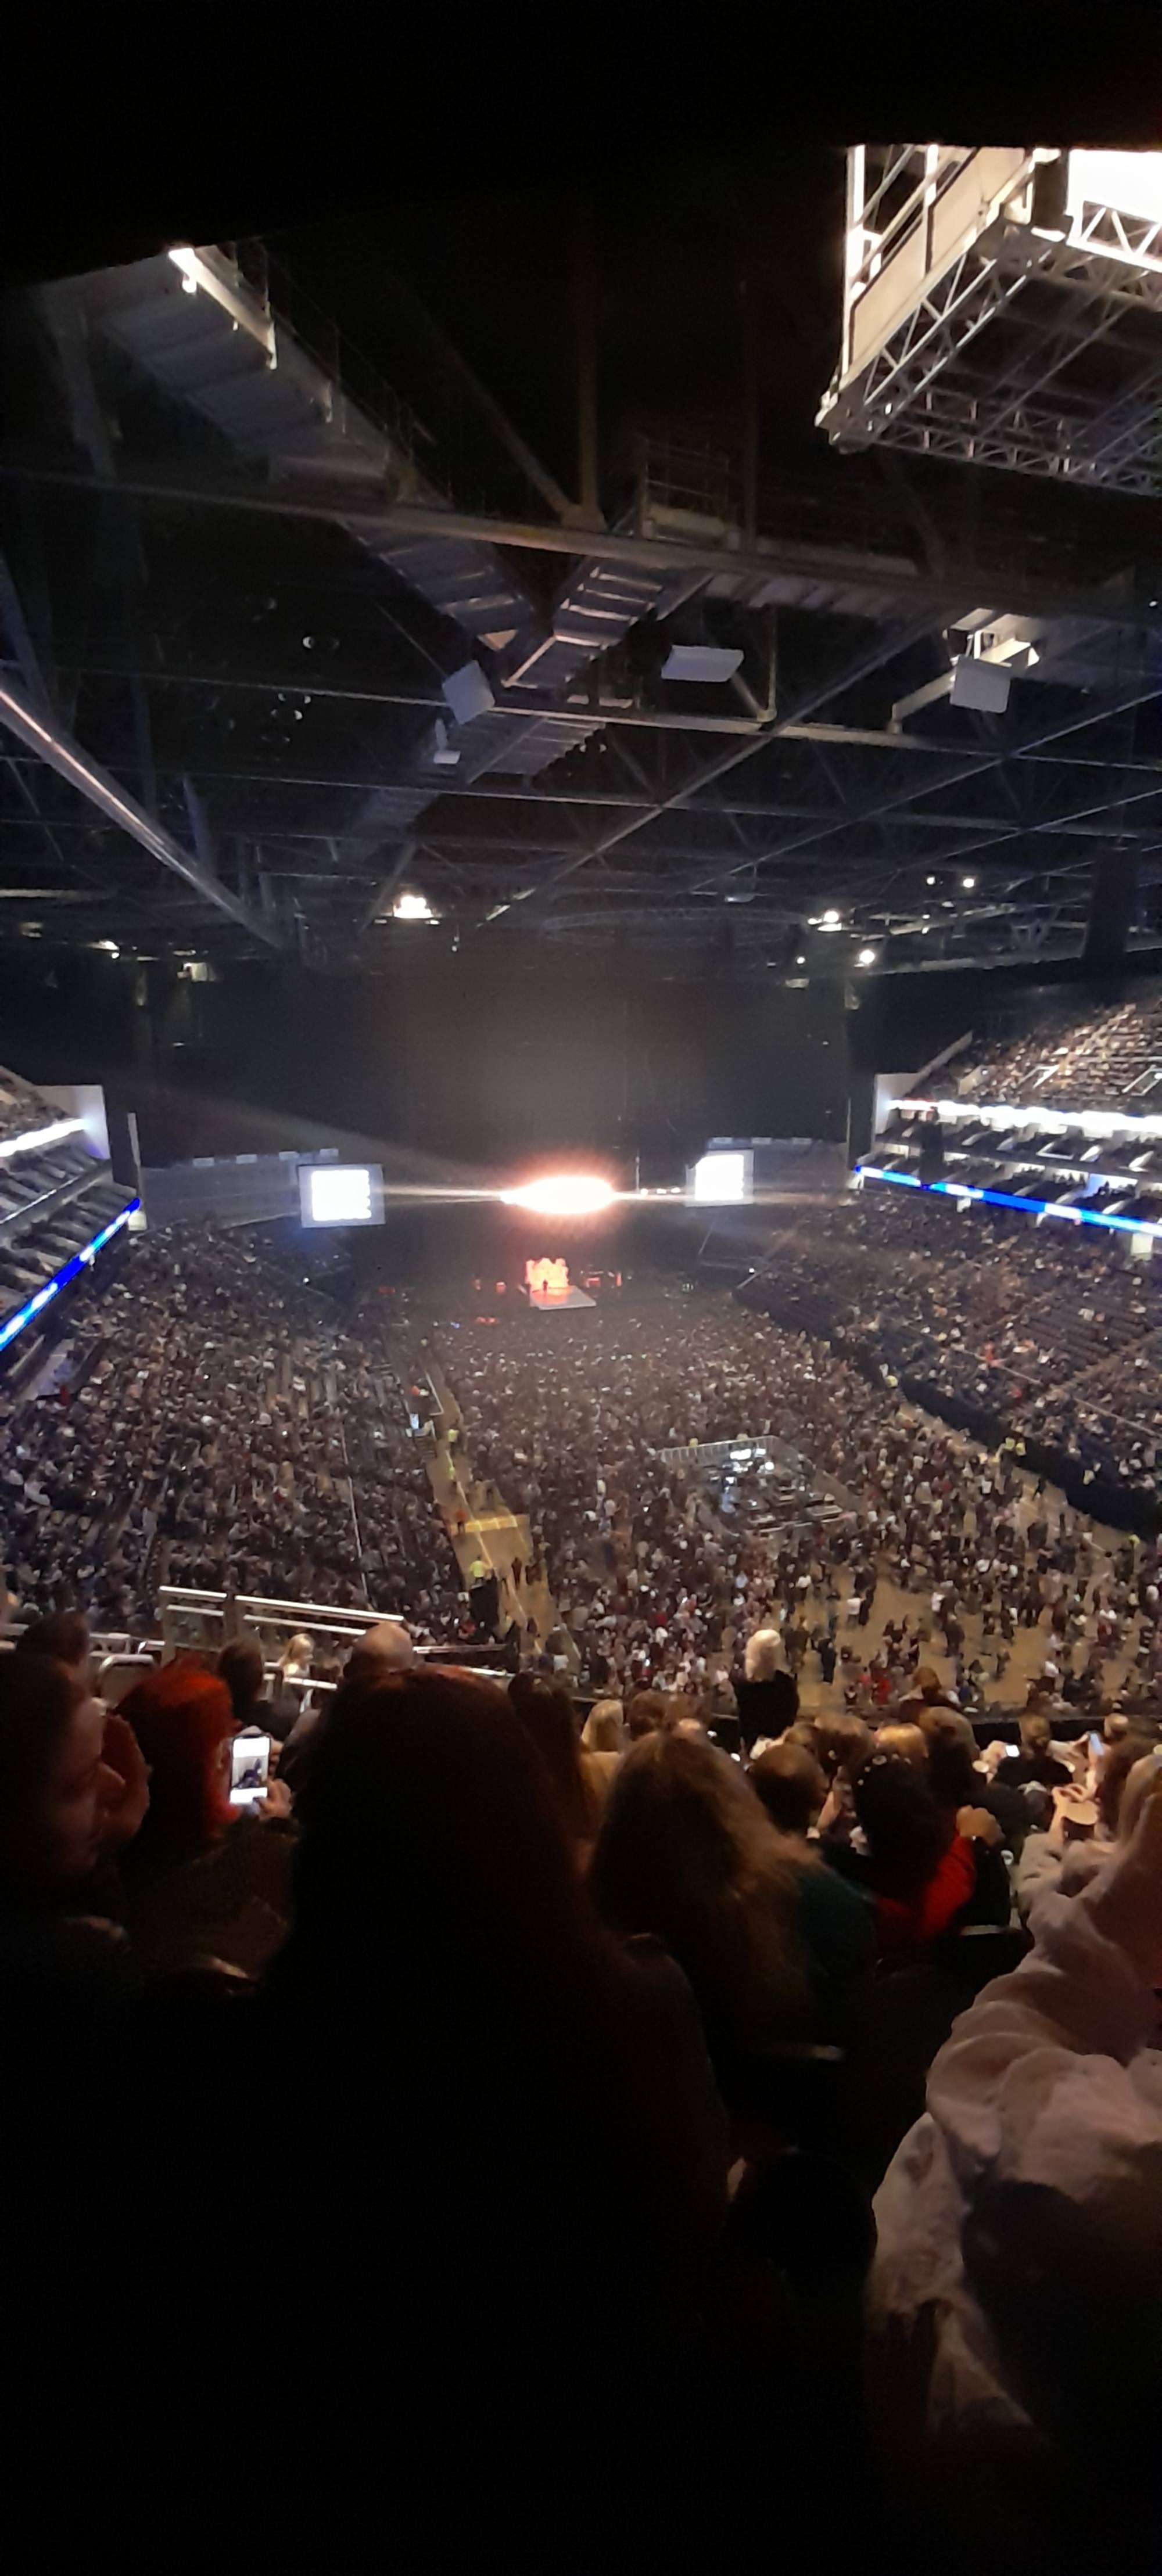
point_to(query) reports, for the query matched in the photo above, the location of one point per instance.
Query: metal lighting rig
(1003, 306)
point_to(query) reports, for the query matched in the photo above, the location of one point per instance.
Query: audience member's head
(604, 1728)
(183, 1722)
(907, 1742)
(686, 1851)
(297, 1656)
(952, 1773)
(901, 1824)
(430, 1824)
(765, 1655)
(64, 1635)
(645, 1711)
(52, 1779)
(386, 1648)
(845, 1744)
(791, 1784)
(805, 1731)
(928, 1683)
(683, 1716)
(241, 1667)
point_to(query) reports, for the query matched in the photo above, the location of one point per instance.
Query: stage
(557, 1301)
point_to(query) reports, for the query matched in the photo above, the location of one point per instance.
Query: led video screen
(341, 1193)
(722, 1179)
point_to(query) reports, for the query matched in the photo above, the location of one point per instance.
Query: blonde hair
(765, 1654)
(604, 1728)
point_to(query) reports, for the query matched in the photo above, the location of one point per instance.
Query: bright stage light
(563, 1194)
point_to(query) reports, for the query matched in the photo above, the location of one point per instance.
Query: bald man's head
(386, 1648)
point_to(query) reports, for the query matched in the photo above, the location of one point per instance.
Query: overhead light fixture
(867, 956)
(714, 662)
(412, 907)
(968, 884)
(929, 880)
(110, 947)
(800, 961)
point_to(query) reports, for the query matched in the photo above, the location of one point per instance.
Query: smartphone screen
(249, 1769)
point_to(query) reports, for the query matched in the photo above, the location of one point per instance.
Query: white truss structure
(1004, 307)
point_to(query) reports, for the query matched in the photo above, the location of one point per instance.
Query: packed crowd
(216, 1427)
(525, 2048)
(597, 1437)
(1075, 1057)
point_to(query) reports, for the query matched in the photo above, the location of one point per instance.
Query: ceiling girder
(42, 735)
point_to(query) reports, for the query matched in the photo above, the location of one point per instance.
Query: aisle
(491, 1531)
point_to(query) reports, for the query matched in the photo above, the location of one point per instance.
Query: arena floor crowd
(744, 2000)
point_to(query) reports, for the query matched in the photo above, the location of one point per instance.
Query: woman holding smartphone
(208, 1877)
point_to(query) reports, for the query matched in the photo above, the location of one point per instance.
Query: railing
(350, 369)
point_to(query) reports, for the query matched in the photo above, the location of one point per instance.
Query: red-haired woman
(201, 1881)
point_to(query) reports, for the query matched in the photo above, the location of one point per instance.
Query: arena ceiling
(280, 649)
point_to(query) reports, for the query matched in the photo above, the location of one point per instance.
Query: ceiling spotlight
(867, 956)
(110, 947)
(968, 884)
(563, 1194)
(412, 907)
(929, 880)
(800, 961)
(831, 919)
